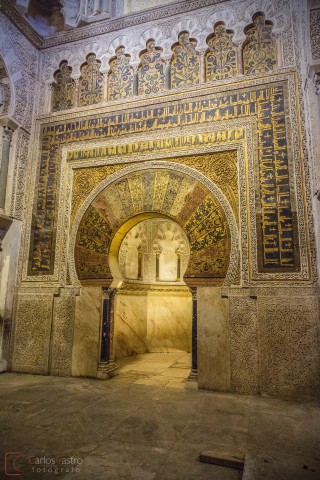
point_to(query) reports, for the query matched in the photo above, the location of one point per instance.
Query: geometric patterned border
(287, 196)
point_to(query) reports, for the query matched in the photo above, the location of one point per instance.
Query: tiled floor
(149, 424)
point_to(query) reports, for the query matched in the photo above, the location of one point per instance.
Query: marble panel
(130, 311)
(169, 321)
(85, 352)
(213, 340)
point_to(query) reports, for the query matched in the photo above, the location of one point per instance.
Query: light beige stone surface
(153, 321)
(130, 323)
(85, 352)
(169, 321)
(213, 340)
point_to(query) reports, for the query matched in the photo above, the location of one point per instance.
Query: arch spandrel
(168, 192)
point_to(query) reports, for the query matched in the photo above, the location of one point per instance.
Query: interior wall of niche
(153, 306)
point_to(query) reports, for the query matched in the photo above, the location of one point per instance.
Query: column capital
(7, 134)
(8, 123)
(194, 292)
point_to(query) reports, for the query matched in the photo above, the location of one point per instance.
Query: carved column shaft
(193, 375)
(50, 90)
(105, 85)
(96, 7)
(6, 143)
(202, 67)
(107, 366)
(240, 60)
(168, 73)
(76, 99)
(135, 80)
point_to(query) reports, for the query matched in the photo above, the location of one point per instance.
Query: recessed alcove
(153, 305)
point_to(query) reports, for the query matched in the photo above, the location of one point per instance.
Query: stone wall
(239, 143)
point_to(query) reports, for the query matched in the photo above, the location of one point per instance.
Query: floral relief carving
(221, 58)
(151, 73)
(315, 32)
(120, 81)
(185, 63)
(259, 49)
(91, 82)
(64, 87)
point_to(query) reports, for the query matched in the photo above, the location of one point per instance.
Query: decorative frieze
(315, 33)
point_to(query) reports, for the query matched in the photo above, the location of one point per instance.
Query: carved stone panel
(289, 343)
(31, 345)
(62, 333)
(63, 89)
(315, 32)
(120, 82)
(91, 82)
(259, 49)
(221, 57)
(151, 73)
(185, 63)
(244, 345)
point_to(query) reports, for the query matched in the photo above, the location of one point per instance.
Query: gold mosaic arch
(157, 191)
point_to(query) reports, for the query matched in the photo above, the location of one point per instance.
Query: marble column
(105, 85)
(202, 67)
(193, 375)
(168, 73)
(107, 367)
(6, 143)
(76, 92)
(240, 59)
(135, 79)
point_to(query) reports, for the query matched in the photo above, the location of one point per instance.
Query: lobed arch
(184, 64)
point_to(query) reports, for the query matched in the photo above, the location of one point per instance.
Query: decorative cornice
(21, 23)
(99, 28)
(126, 21)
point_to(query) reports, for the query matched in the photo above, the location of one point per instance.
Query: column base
(3, 365)
(193, 376)
(106, 370)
